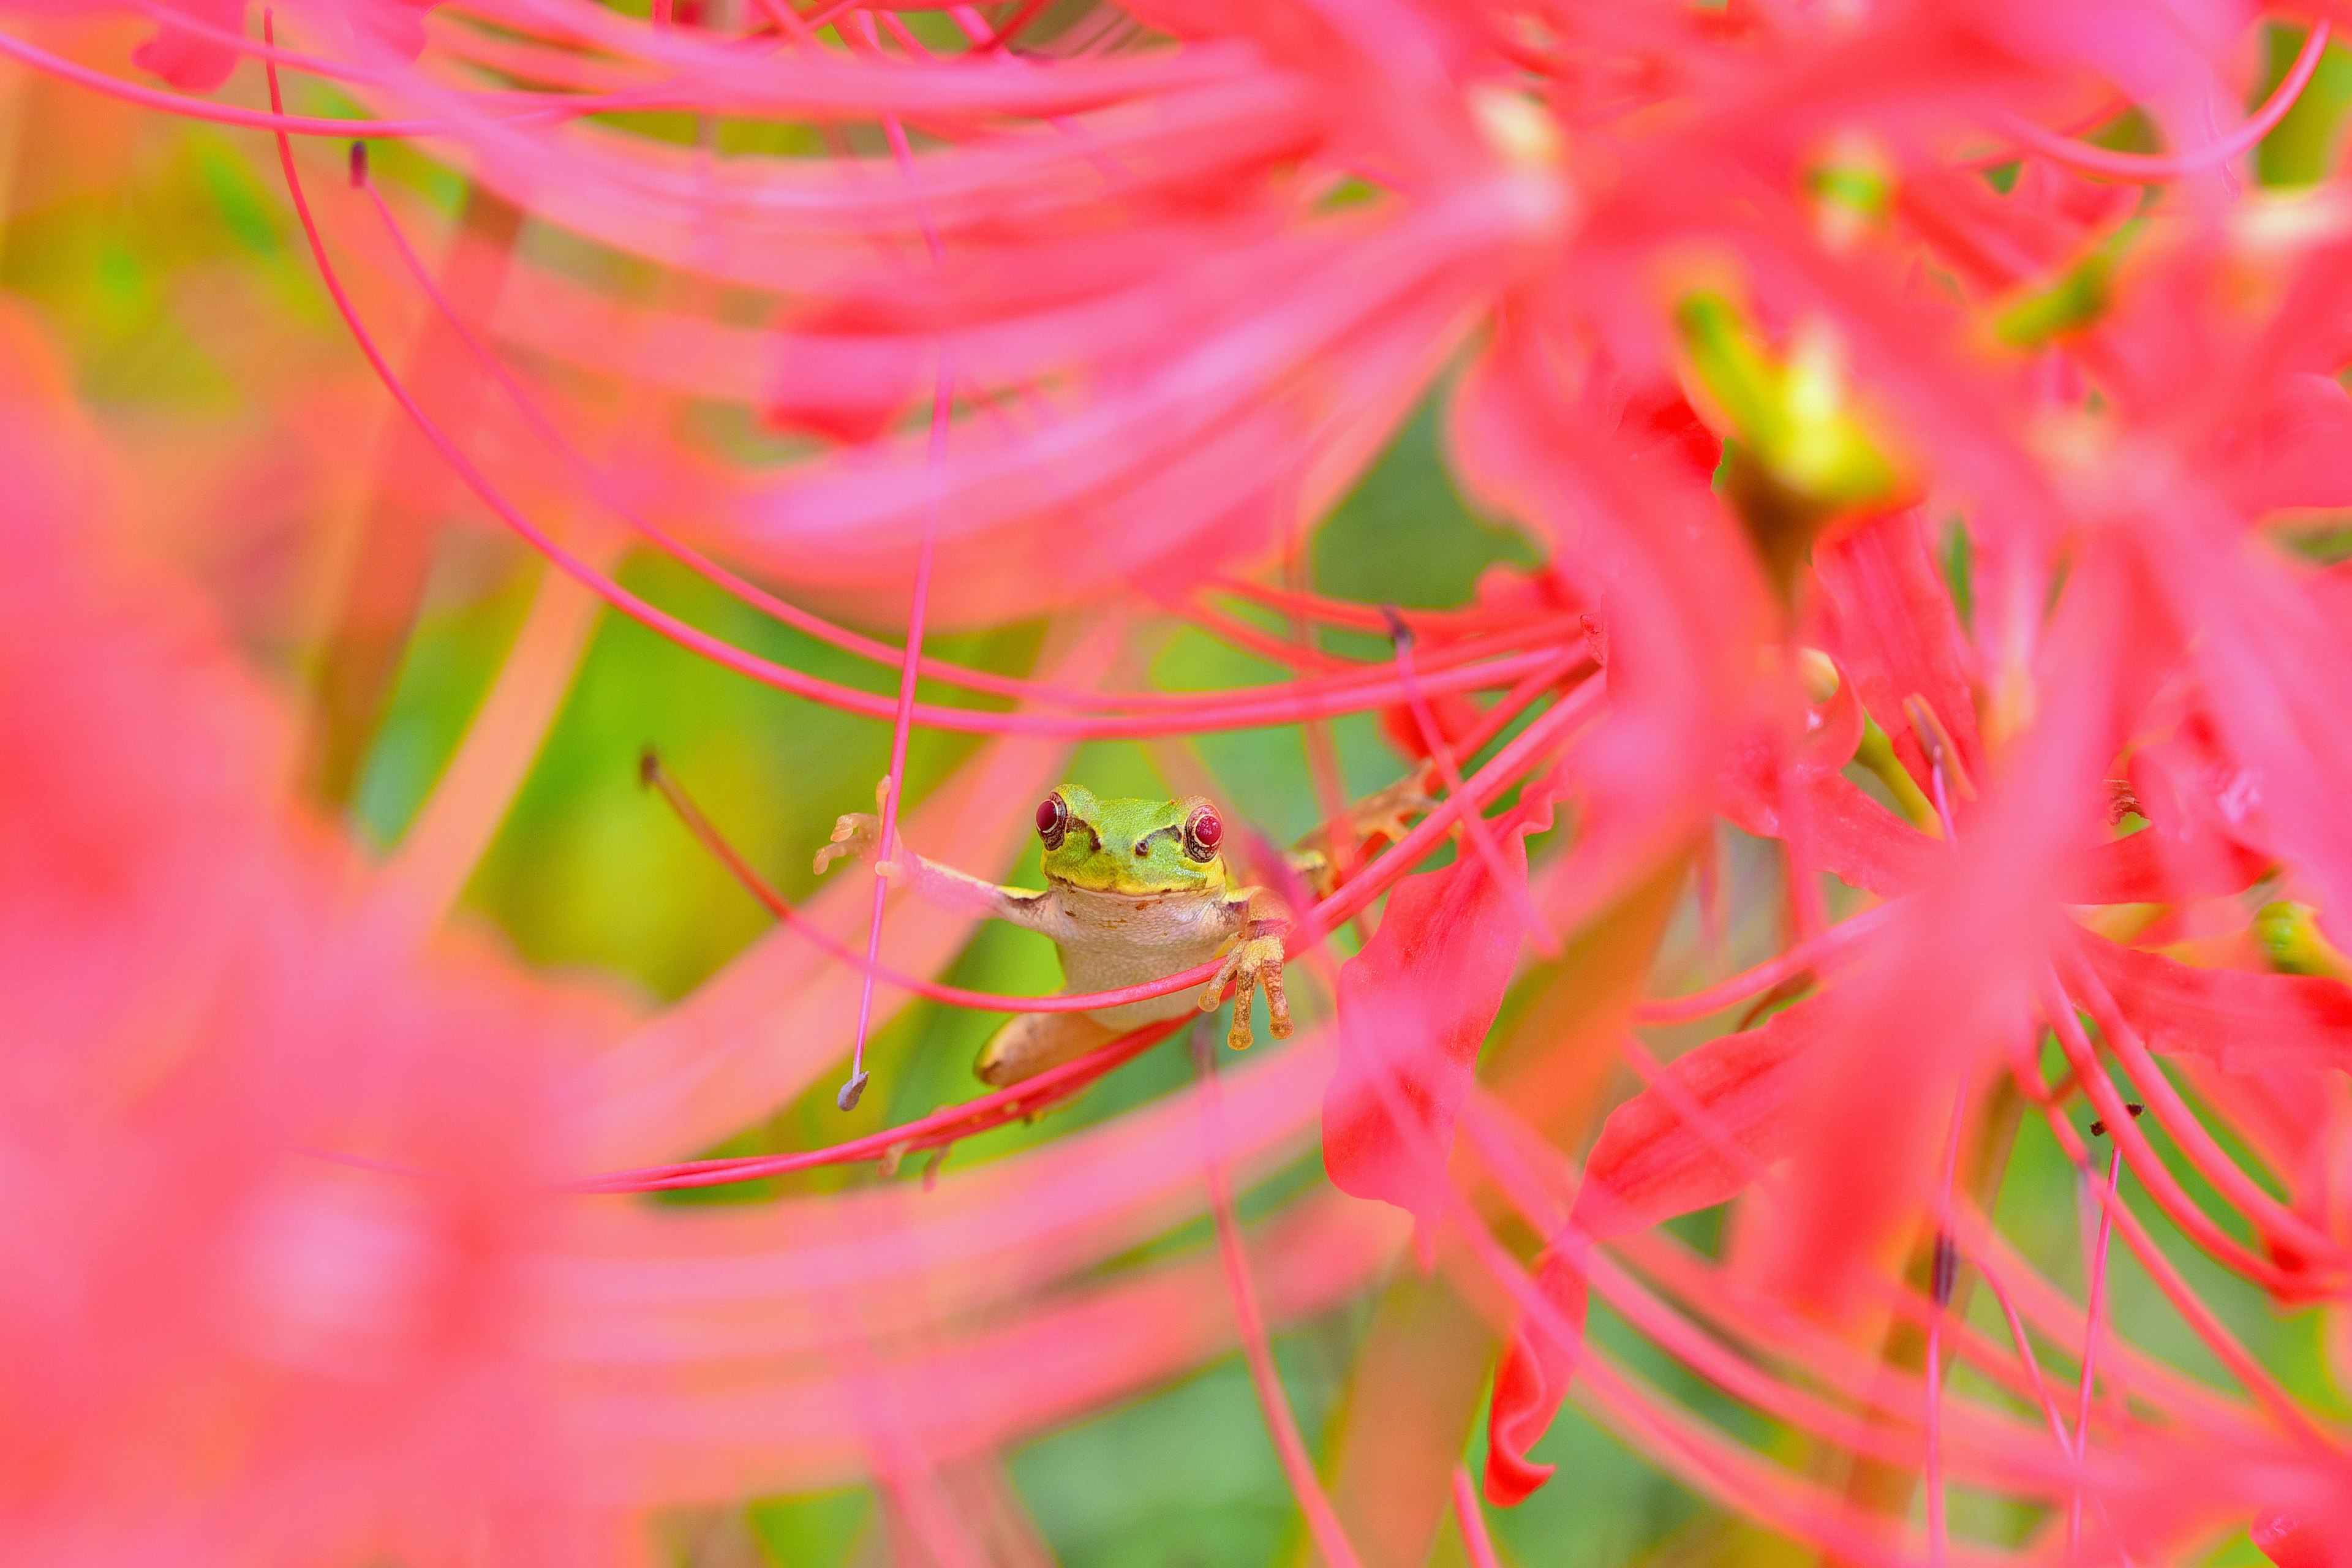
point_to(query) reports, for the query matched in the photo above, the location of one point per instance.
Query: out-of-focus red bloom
(240, 1323)
(1754, 349)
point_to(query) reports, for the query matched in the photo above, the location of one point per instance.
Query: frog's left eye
(1203, 833)
(1053, 819)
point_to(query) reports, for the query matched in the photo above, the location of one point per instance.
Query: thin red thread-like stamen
(1340, 844)
(2094, 1315)
(948, 1125)
(1831, 944)
(2043, 1396)
(901, 723)
(1690, 1111)
(2276, 1221)
(895, 782)
(1715, 1465)
(1555, 729)
(1350, 696)
(1470, 1515)
(1351, 615)
(1710, 1461)
(1013, 28)
(1704, 1354)
(1485, 1108)
(787, 20)
(606, 493)
(1318, 920)
(974, 1115)
(1482, 837)
(901, 151)
(2076, 1449)
(900, 31)
(1731, 1474)
(1712, 1295)
(1943, 1266)
(229, 114)
(1282, 1423)
(2153, 1174)
(832, 13)
(1792, 1404)
(2152, 168)
(258, 49)
(2182, 1398)
(2282, 1407)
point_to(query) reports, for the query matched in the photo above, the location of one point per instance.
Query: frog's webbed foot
(1255, 960)
(858, 834)
(1383, 814)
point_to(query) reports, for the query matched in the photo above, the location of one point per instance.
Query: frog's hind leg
(1029, 1043)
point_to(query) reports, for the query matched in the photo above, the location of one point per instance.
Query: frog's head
(1130, 845)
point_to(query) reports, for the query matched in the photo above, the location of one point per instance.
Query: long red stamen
(944, 1127)
(1942, 1275)
(2094, 1318)
(1470, 1515)
(1273, 1401)
(2276, 1401)
(1482, 837)
(1814, 953)
(1531, 747)
(2154, 169)
(2153, 1174)
(894, 783)
(2273, 1220)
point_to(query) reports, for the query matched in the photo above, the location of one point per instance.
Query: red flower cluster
(1915, 484)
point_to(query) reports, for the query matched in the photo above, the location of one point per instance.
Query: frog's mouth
(1132, 887)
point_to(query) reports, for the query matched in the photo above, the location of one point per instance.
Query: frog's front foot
(1385, 812)
(1255, 960)
(859, 834)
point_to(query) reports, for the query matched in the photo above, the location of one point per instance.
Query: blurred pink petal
(1415, 1007)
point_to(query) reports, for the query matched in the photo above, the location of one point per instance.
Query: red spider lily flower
(243, 1322)
(1735, 321)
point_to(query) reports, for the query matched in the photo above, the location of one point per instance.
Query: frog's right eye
(1053, 819)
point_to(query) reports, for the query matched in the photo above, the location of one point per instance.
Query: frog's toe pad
(858, 834)
(1254, 962)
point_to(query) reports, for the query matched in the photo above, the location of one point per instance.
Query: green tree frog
(1136, 890)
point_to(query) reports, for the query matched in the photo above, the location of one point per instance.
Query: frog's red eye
(1203, 833)
(1053, 820)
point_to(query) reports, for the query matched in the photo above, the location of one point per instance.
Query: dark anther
(1399, 633)
(359, 164)
(2099, 1129)
(648, 767)
(850, 1092)
(1946, 1276)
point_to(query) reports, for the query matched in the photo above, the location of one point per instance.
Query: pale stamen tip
(1521, 131)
